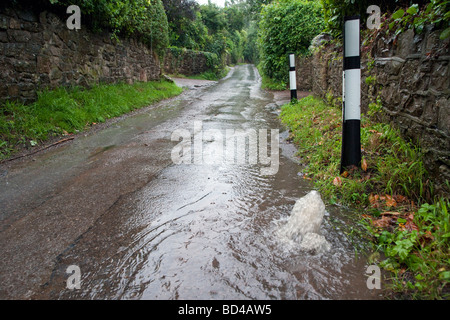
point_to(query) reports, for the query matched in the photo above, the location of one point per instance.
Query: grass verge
(271, 84)
(268, 83)
(64, 111)
(403, 219)
(207, 75)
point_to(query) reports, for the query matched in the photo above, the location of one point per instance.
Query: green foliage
(436, 12)
(211, 75)
(271, 84)
(145, 20)
(404, 14)
(225, 29)
(235, 18)
(396, 166)
(286, 26)
(186, 29)
(415, 241)
(419, 258)
(209, 28)
(213, 17)
(180, 9)
(250, 51)
(65, 111)
(401, 170)
(236, 45)
(254, 6)
(334, 11)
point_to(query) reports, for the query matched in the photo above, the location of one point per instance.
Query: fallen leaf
(429, 235)
(344, 174)
(390, 201)
(410, 226)
(373, 199)
(364, 165)
(400, 198)
(391, 213)
(383, 222)
(337, 181)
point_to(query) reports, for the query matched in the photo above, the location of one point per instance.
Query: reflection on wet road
(141, 227)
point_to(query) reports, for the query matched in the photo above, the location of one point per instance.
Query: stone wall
(410, 76)
(304, 72)
(184, 61)
(38, 51)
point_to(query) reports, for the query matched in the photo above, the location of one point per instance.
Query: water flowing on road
(140, 226)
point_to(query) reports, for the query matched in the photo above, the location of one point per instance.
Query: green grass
(394, 165)
(268, 83)
(271, 84)
(64, 111)
(418, 259)
(210, 75)
(207, 75)
(402, 216)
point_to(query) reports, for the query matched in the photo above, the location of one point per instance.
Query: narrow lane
(140, 226)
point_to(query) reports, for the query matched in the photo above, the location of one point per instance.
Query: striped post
(351, 99)
(292, 77)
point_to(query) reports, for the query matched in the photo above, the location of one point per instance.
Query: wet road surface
(140, 226)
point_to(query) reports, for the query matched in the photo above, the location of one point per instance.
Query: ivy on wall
(145, 20)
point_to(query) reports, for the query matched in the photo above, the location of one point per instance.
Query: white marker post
(351, 99)
(292, 76)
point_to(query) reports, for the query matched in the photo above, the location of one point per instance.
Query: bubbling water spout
(303, 225)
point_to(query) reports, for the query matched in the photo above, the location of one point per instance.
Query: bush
(334, 11)
(286, 26)
(250, 49)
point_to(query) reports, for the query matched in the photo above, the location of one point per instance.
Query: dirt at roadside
(283, 97)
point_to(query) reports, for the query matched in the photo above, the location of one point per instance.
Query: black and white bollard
(292, 76)
(351, 97)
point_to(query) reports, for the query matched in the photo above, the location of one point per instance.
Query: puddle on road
(210, 231)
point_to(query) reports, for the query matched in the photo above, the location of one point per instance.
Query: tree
(234, 17)
(213, 17)
(186, 29)
(286, 26)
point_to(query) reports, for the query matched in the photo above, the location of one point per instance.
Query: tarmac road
(117, 204)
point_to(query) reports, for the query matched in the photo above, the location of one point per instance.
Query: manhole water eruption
(303, 225)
